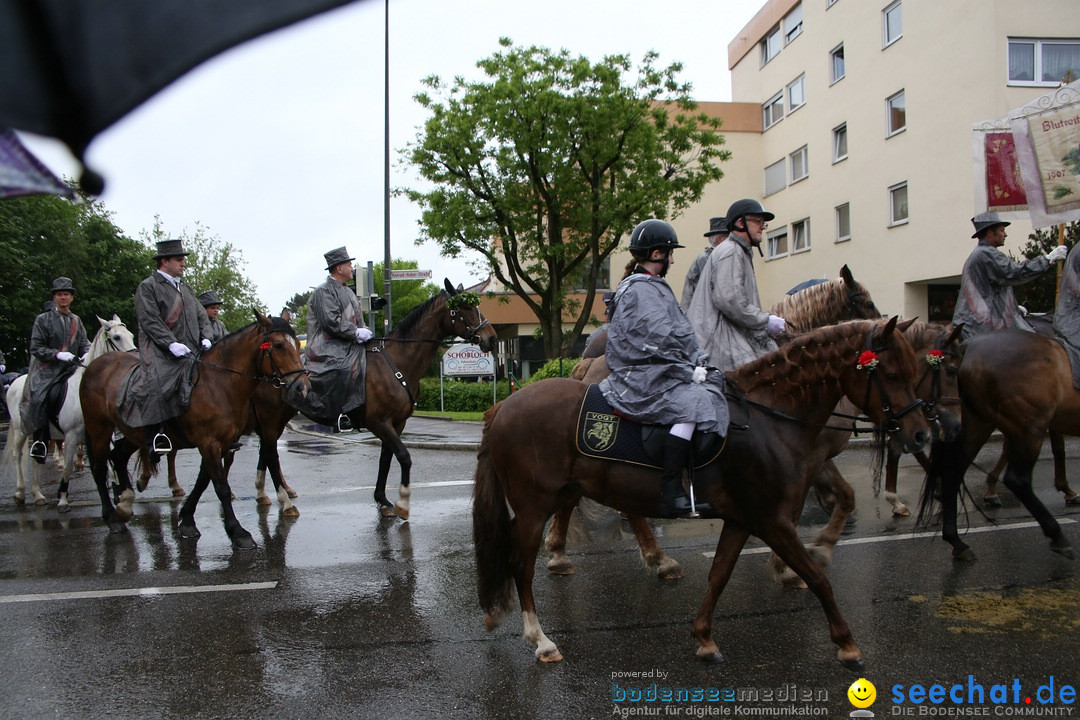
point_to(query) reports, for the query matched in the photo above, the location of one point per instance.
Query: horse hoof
(179, 492)
(992, 501)
(560, 567)
(387, 512)
(244, 542)
(40, 501)
(291, 512)
(117, 528)
(140, 485)
(20, 500)
(965, 555)
(1073, 499)
(669, 570)
(713, 658)
(1064, 549)
(263, 501)
(402, 512)
(64, 508)
(549, 656)
(292, 493)
(901, 511)
(854, 664)
(189, 531)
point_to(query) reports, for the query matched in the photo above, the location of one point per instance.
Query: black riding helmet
(651, 235)
(741, 208)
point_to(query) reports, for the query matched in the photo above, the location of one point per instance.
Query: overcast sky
(276, 146)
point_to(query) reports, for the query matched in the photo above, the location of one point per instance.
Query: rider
(335, 355)
(57, 342)
(172, 325)
(986, 300)
(718, 232)
(658, 374)
(212, 305)
(726, 307)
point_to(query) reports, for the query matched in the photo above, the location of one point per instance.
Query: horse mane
(276, 325)
(817, 305)
(923, 334)
(798, 369)
(405, 326)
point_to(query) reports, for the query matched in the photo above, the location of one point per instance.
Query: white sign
(410, 274)
(467, 359)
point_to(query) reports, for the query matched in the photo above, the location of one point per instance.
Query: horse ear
(261, 319)
(116, 319)
(890, 326)
(903, 326)
(845, 273)
(954, 335)
(103, 322)
(449, 287)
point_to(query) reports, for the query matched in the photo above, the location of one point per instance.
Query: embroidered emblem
(600, 430)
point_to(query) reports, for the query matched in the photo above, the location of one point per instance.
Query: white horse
(113, 335)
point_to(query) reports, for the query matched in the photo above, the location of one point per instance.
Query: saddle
(55, 394)
(604, 434)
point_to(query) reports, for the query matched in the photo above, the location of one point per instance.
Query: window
(777, 244)
(796, 93)
(800, 236)
(800, 168)
(770, 46)
(896, 108)
(836, 62)
(772, 111)
(1042, 62)
(843, 222)
(898, 207)
(892, 23)
(839, 143)
(775, 178)
(793, 24)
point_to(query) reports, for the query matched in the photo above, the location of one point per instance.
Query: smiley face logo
(862, 693)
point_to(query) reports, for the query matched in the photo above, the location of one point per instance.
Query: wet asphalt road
(342, 614)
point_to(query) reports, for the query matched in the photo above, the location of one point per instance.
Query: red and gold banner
(1004, 184)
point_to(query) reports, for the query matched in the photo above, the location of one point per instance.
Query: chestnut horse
(1022, 384)
(528, 463)
(226, 378)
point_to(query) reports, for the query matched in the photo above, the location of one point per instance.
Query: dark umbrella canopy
(74, 67)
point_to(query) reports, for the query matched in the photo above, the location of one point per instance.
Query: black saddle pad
(603, 434)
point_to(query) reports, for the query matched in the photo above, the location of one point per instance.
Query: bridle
(934, 372)
(892, 417)
(277, 378)
(472, 333)
(855, 300)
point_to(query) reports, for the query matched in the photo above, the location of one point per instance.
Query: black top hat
(985, 221)
(62, 284)
(717, 226)
(337, 256)
(209, 298)
(170, 248)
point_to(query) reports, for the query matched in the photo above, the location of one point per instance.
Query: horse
(395, 365)
(228, 373)
(824, 303)
(112, 336)
(1022, 384)
(528, 463)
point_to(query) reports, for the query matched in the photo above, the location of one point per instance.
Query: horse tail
(9, 445)
(493, 536)
(946, 464)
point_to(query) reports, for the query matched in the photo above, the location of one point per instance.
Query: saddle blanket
(605, 435)
(1074, 359)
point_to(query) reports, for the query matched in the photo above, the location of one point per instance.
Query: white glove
(64, 356)
(205, 344)
(2, 368)
(179, 349)
(363, 335)
(776, 325)
(699, 375)
(1058, 253)
(1022, 309)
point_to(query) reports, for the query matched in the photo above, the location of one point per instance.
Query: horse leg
(892, 464)
(392, 447)
(948, 462)
(529, 530)
(665, 567)
(1018, 480)
(174, 484)
(990, 497)
(785, 542)
(71, 445)
(241, 538)
(1061, 483)
(555, 542)
(732, 538)
(270, 460)
(822, 547)
(97, 449)
(185, 522)
(261, 498)
(80, 464)
(125, 495)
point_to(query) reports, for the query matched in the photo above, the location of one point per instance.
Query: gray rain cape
(335, 362)
(159, 387)
(693, 275)
(53, 331)
(1067, 313)
(652, 352)
(986, 301)
(217, 330)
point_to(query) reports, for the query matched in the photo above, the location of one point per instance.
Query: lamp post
(386, 174)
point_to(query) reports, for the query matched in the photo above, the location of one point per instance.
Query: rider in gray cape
(57, 342)
(658, 373)
(212, 305)
(336, 358)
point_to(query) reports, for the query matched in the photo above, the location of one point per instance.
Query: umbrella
(23, 174)
(72, 68)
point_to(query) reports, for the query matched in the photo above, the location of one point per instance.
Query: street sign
(410, 274)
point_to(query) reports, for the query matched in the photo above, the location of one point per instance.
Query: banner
(1004, 184)
(21, 173)
(1046, 133)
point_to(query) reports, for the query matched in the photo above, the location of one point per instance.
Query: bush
(557, 367)
(459, 396)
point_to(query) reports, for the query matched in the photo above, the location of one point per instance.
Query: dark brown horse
(528, 464)
(1020, 383)
(394, 368)
(227, 376)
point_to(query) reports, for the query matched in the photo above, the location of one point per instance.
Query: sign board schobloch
(467, 359)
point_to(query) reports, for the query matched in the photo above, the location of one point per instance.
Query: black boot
(673, 499)
(39, 449)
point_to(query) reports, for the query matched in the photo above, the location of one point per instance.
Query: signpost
(466, 360)
(410, 274)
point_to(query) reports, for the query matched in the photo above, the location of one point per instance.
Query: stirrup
(344, 424)
(161, 444)
(38, 451)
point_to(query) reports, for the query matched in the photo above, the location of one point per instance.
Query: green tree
(406, 295)
(298, 305)
(43, 237)
(545, 166)
(1041, 295)
(216, 265)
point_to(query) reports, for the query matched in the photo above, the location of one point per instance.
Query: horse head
(939, 352)
(113, 336)
(466, 318)
(859, 302)
(280, 355)
(881, 383)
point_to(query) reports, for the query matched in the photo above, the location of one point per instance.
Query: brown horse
(1020, 383)
(227, 376)
(394, 368)
(528, 463)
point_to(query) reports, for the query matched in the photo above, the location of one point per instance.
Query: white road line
(136, 592)
(911, 536)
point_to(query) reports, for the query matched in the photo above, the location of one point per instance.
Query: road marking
(910, 536)
(136, 592)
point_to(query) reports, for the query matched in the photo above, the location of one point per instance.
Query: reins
(278, 379)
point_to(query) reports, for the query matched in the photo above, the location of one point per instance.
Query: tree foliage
(549, 162)
(1041, 295)
(43, 237)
